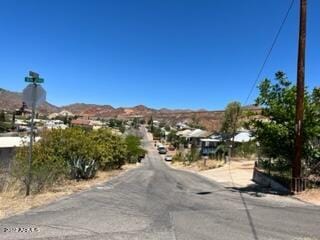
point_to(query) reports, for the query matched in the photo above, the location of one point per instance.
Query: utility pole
(31, 139)
(296, 165)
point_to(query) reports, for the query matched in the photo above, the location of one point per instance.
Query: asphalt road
(154, 201)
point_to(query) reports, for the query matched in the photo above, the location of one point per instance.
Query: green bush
(134, 150)
(109, 149)
(193, 155)
(246, 149)
(73, 153)
(47, 168)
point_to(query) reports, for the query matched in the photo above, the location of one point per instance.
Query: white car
(168, 158)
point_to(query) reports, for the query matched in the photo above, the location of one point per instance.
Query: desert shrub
(192, 156)
(109, 149)
(246, 149)
(134, 150)
(46, 168)
(73, 153)
(178, 157)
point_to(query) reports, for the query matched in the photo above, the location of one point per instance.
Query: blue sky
(161, 53)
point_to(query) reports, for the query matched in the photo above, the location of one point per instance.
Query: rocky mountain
(209, 119)
(12, 100)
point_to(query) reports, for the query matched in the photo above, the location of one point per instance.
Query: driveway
(157, 202)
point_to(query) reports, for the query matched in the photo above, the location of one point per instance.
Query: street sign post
(33, 80)
(33, 95)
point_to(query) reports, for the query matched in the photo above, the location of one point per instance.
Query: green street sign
(33, 80)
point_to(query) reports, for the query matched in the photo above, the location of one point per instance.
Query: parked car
(168, 158)
(162, 150)
(171, 148)
(159, 145)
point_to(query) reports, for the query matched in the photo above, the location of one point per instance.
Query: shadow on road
(258, 190)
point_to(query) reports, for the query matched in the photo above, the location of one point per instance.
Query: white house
(8, 146)
(243, 136)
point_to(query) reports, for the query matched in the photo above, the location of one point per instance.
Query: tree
(2, 116)
(142, 121)
(135, 123)
(231, 121)
(156, 133)
(276, 133)
(13, 121)
(134, 151)
(231, 118)
(150, 123)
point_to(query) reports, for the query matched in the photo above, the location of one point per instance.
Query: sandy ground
(311, 196)
(13, 202)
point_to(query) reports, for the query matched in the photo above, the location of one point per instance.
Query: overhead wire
(269, 51)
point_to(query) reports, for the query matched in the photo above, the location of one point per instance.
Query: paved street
(154, 201)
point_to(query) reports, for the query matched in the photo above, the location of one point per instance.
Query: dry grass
(199, 165)
(311, 196)
(13, 201)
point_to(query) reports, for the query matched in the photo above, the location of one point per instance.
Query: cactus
(82, 168)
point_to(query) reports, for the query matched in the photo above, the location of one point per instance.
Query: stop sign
(33, 94)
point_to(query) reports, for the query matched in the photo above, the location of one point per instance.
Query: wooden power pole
(296, 165)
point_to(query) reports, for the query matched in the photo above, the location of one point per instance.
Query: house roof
(209, 140)
(184, 133)
(66, 113)
(53, 115)
(9, 142)
(80, 121)
(198, 133)
(243, 137)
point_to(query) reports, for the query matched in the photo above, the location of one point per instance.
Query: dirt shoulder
(236, 174)
(310, 196)
(12, 202)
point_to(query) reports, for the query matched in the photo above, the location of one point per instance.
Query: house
(55, 124)
(192, 137)
(184, 133)
(196, 135)
(210, 144)
(63, 113)
(80, 122)
(96, 124)
(182, 126)
(156, 123)
(164, 133)
(243, 136)
(53, 115)
(86, 123)
(8, 146)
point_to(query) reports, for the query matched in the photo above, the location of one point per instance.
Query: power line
(270, 50)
